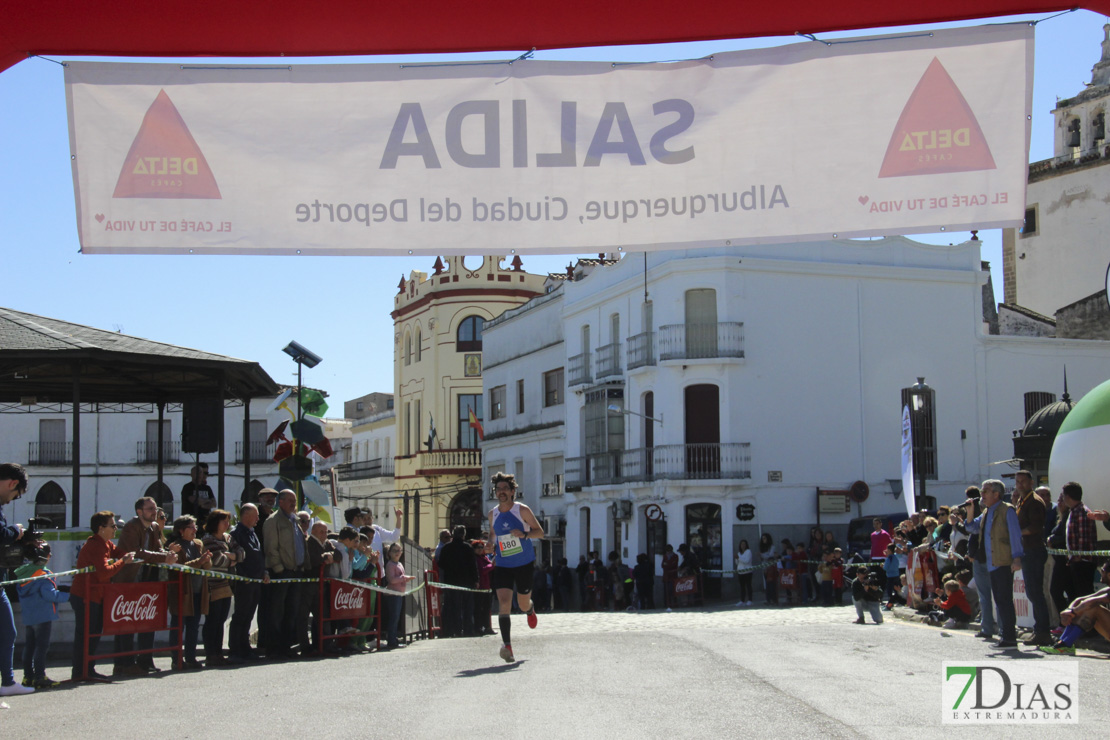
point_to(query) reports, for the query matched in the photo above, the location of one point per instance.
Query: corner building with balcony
(438, 350)
(712, 394)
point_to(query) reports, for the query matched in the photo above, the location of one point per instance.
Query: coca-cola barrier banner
(686, 585)
(433, 601)
(135, 607)
(349, 602)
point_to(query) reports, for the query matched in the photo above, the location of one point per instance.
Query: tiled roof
(41, 357)
(25, 331)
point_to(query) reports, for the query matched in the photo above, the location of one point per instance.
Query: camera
(29, 546)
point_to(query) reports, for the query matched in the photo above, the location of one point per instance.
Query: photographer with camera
(13, 483)
(866, 594)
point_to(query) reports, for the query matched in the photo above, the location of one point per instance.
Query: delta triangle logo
(937, 132)
(164, 160)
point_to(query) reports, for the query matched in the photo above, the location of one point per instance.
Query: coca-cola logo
(142, 609)
(349, 600)
(684, 585)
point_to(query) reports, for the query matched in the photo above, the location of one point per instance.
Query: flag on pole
(475, 424)
(432, 429)
(907, 462)
(312, 402)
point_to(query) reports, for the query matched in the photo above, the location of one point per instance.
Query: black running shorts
(520, 577)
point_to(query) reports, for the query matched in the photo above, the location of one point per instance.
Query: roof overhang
(291, 28)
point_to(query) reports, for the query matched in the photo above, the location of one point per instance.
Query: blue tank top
(510, 552)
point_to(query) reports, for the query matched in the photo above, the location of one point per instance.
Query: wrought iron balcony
(366, 469)
(146, 453)
(703, 461)
(641, 350)
(701, 341)
(609, 360)
(260, 452)
(50, 453)
(578, 369)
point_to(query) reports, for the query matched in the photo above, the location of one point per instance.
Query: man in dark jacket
(247, 595)
(13, 483)
(457, 567)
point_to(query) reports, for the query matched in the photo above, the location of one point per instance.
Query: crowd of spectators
(273, 542)
(793, 573)
(968, 555)
(965, 558)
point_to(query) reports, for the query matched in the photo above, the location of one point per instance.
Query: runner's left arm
(535, 531)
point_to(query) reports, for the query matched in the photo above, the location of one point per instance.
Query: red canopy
(270, 28)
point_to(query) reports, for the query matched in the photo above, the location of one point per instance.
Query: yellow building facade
(438, 322)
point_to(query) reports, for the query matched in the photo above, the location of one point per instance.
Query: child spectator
(965, 578)
(893, 573)
(955, 607)
(825, 579)
(40, 601)
(787, 579)
(802, 580)
(837, 565)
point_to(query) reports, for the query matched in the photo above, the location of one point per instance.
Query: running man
(513, 526)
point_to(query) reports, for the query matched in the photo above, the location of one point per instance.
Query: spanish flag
(475, 424)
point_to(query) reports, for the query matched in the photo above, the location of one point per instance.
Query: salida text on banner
(908, 134)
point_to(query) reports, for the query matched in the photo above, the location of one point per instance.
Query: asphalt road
(725, 672)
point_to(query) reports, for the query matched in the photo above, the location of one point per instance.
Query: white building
(366, 480)
(705, 379)
(526, 410)
(1056, 265)
(119, 460)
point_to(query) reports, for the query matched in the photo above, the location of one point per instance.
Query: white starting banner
(886, 135)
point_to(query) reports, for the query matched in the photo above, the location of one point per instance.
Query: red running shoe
(532, 618)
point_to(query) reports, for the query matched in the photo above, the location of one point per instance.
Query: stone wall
(1015, 321)
(1087, 318)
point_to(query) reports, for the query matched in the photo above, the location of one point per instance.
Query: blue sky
(250, 307)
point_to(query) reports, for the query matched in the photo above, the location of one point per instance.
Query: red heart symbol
(863, 200)
(99, 218)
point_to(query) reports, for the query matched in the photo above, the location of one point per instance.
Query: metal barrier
(345, 603)
(143, 607)
(132, 609)
(433, 603)
(414, 618)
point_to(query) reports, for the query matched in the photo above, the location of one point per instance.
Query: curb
(1094, 644)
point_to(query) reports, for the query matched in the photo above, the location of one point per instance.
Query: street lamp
(921, 398)
(615, 409)
(302, 356)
